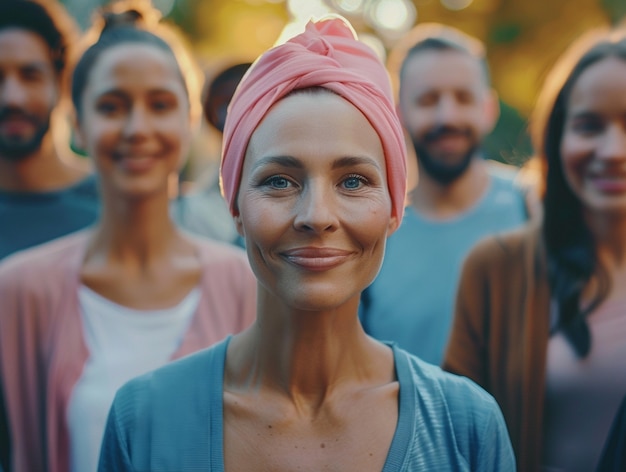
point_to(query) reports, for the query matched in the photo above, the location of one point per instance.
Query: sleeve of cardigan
(466, 352)
(22, 328)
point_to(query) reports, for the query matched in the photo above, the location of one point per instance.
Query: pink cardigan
(42, 350)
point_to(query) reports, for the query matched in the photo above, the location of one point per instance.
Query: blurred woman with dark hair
(541, 313)
(82, 315)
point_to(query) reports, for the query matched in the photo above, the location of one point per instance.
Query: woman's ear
(393, 225)
(238, 224)
(491, 111)
(78, 138)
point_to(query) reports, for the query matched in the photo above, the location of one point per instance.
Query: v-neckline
(401, 438)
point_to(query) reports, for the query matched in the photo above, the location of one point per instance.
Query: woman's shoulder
(173, 380)
(506, 247)
(469, 420)
(171, 402)
(159, 414)
(43, 266)
(453, 391)
(177, 377)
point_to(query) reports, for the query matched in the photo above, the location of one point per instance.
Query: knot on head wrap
(327, 54)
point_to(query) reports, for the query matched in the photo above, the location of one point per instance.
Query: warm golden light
(456, 4)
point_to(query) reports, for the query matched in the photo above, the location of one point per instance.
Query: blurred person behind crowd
(314, 174)
(85, 313)
(45, 190)
(204, 192)
(541, 312)
(447, 107)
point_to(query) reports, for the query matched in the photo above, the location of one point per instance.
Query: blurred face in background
(593, 146)
(29, 92)
(135, 119)
(313, 202)
(447, 108)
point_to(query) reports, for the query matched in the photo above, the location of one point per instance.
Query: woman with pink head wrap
(314, 173)
(325, 55)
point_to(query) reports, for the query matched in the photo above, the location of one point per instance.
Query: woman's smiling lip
(134, 162)
(609, 183)
(609, 180)
(316, 258)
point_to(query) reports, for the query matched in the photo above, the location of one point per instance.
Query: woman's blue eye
(353, 182)
(277, 182)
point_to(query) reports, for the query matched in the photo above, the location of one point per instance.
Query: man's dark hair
(434, 37)
(219, 93)
(445, 44)
(48, 20)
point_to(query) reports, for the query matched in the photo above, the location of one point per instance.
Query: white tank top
(123, 343)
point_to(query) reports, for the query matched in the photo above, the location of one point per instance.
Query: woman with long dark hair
(541, 313)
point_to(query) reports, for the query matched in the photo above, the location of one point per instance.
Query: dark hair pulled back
(117, 27)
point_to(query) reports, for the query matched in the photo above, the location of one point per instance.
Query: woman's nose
(613, 143)
(137, 123)
(316, 210)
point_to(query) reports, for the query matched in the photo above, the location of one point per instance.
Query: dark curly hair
(49, 20)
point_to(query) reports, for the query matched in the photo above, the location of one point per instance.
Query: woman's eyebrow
(284, 161)
(349, 161)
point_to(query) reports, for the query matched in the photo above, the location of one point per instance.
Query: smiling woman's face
(314, 207)
(593, 147)
(135, 119)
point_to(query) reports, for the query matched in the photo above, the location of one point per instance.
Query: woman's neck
(609, 233)
(138, 230)
(307, 356)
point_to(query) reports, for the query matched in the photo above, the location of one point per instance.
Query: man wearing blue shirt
(43, 194)
(447, 107)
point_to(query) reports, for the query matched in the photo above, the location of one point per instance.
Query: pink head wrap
(328, 55)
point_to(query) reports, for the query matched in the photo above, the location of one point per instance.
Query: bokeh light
(375, 43)
(165, 6)
(395, 16)
(348, 7)
(456, 4)
(307, 9)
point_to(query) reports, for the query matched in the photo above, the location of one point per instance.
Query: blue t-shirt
(411, 301)
(31, 218)
(172, 420)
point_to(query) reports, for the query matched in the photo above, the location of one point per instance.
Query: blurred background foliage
(523, 38)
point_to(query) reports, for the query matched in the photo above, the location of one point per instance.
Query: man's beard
(17, 148)
(443, 172)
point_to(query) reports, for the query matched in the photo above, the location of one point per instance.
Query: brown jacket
(500, 332)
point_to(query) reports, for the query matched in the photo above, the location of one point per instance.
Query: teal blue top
(170, 420)
(31, 218)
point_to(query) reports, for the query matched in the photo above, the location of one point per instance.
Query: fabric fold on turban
(327, 54)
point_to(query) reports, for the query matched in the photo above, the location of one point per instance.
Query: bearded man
(447, 107)
(44, 192)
